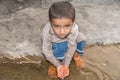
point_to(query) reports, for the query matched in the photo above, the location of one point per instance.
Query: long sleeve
(73, 38)
(69, 54)
(71, 45)
(47, 48)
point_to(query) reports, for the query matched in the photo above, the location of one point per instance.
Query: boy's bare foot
(78, 61)
(52, 71)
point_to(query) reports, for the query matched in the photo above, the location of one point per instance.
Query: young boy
(61, 40)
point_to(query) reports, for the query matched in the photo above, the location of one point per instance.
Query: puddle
(27, 71)
(13, 71)
(92, 72)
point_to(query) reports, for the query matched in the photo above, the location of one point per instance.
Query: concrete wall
(20, 30)
(8, 6)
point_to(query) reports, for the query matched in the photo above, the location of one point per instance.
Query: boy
(62, 40)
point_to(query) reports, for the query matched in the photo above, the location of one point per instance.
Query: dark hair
(62, 9)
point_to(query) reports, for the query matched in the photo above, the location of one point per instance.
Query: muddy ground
(101, 63)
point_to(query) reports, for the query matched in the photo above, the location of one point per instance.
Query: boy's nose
(62, 31)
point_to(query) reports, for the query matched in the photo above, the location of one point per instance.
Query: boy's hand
(62, 71)
(66, 71)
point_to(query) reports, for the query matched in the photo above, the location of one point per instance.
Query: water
(30, 71)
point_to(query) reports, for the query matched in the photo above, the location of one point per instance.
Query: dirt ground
(104, 61)
(101, 63)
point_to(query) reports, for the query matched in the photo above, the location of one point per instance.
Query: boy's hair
(62, 9)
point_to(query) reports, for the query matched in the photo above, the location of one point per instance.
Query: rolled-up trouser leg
(80, 47)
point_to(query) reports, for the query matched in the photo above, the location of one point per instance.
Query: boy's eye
(67, 26)
(57, 26)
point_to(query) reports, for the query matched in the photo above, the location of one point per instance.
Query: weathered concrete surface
(20, 31)
(100, 24)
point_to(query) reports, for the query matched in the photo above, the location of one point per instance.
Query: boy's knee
(80, 47)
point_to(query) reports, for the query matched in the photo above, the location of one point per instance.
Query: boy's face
(62, 26)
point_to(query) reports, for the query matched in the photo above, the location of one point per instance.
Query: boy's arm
(69, 54)
(72, 48)
(75, 37)
(47, 50)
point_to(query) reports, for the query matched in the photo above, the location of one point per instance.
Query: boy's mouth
(62, 36)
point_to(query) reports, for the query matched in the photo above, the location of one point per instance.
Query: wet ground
(101, 63)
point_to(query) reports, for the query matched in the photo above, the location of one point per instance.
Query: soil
(101, 63)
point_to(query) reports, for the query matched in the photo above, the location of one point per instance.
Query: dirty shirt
(49, 37)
